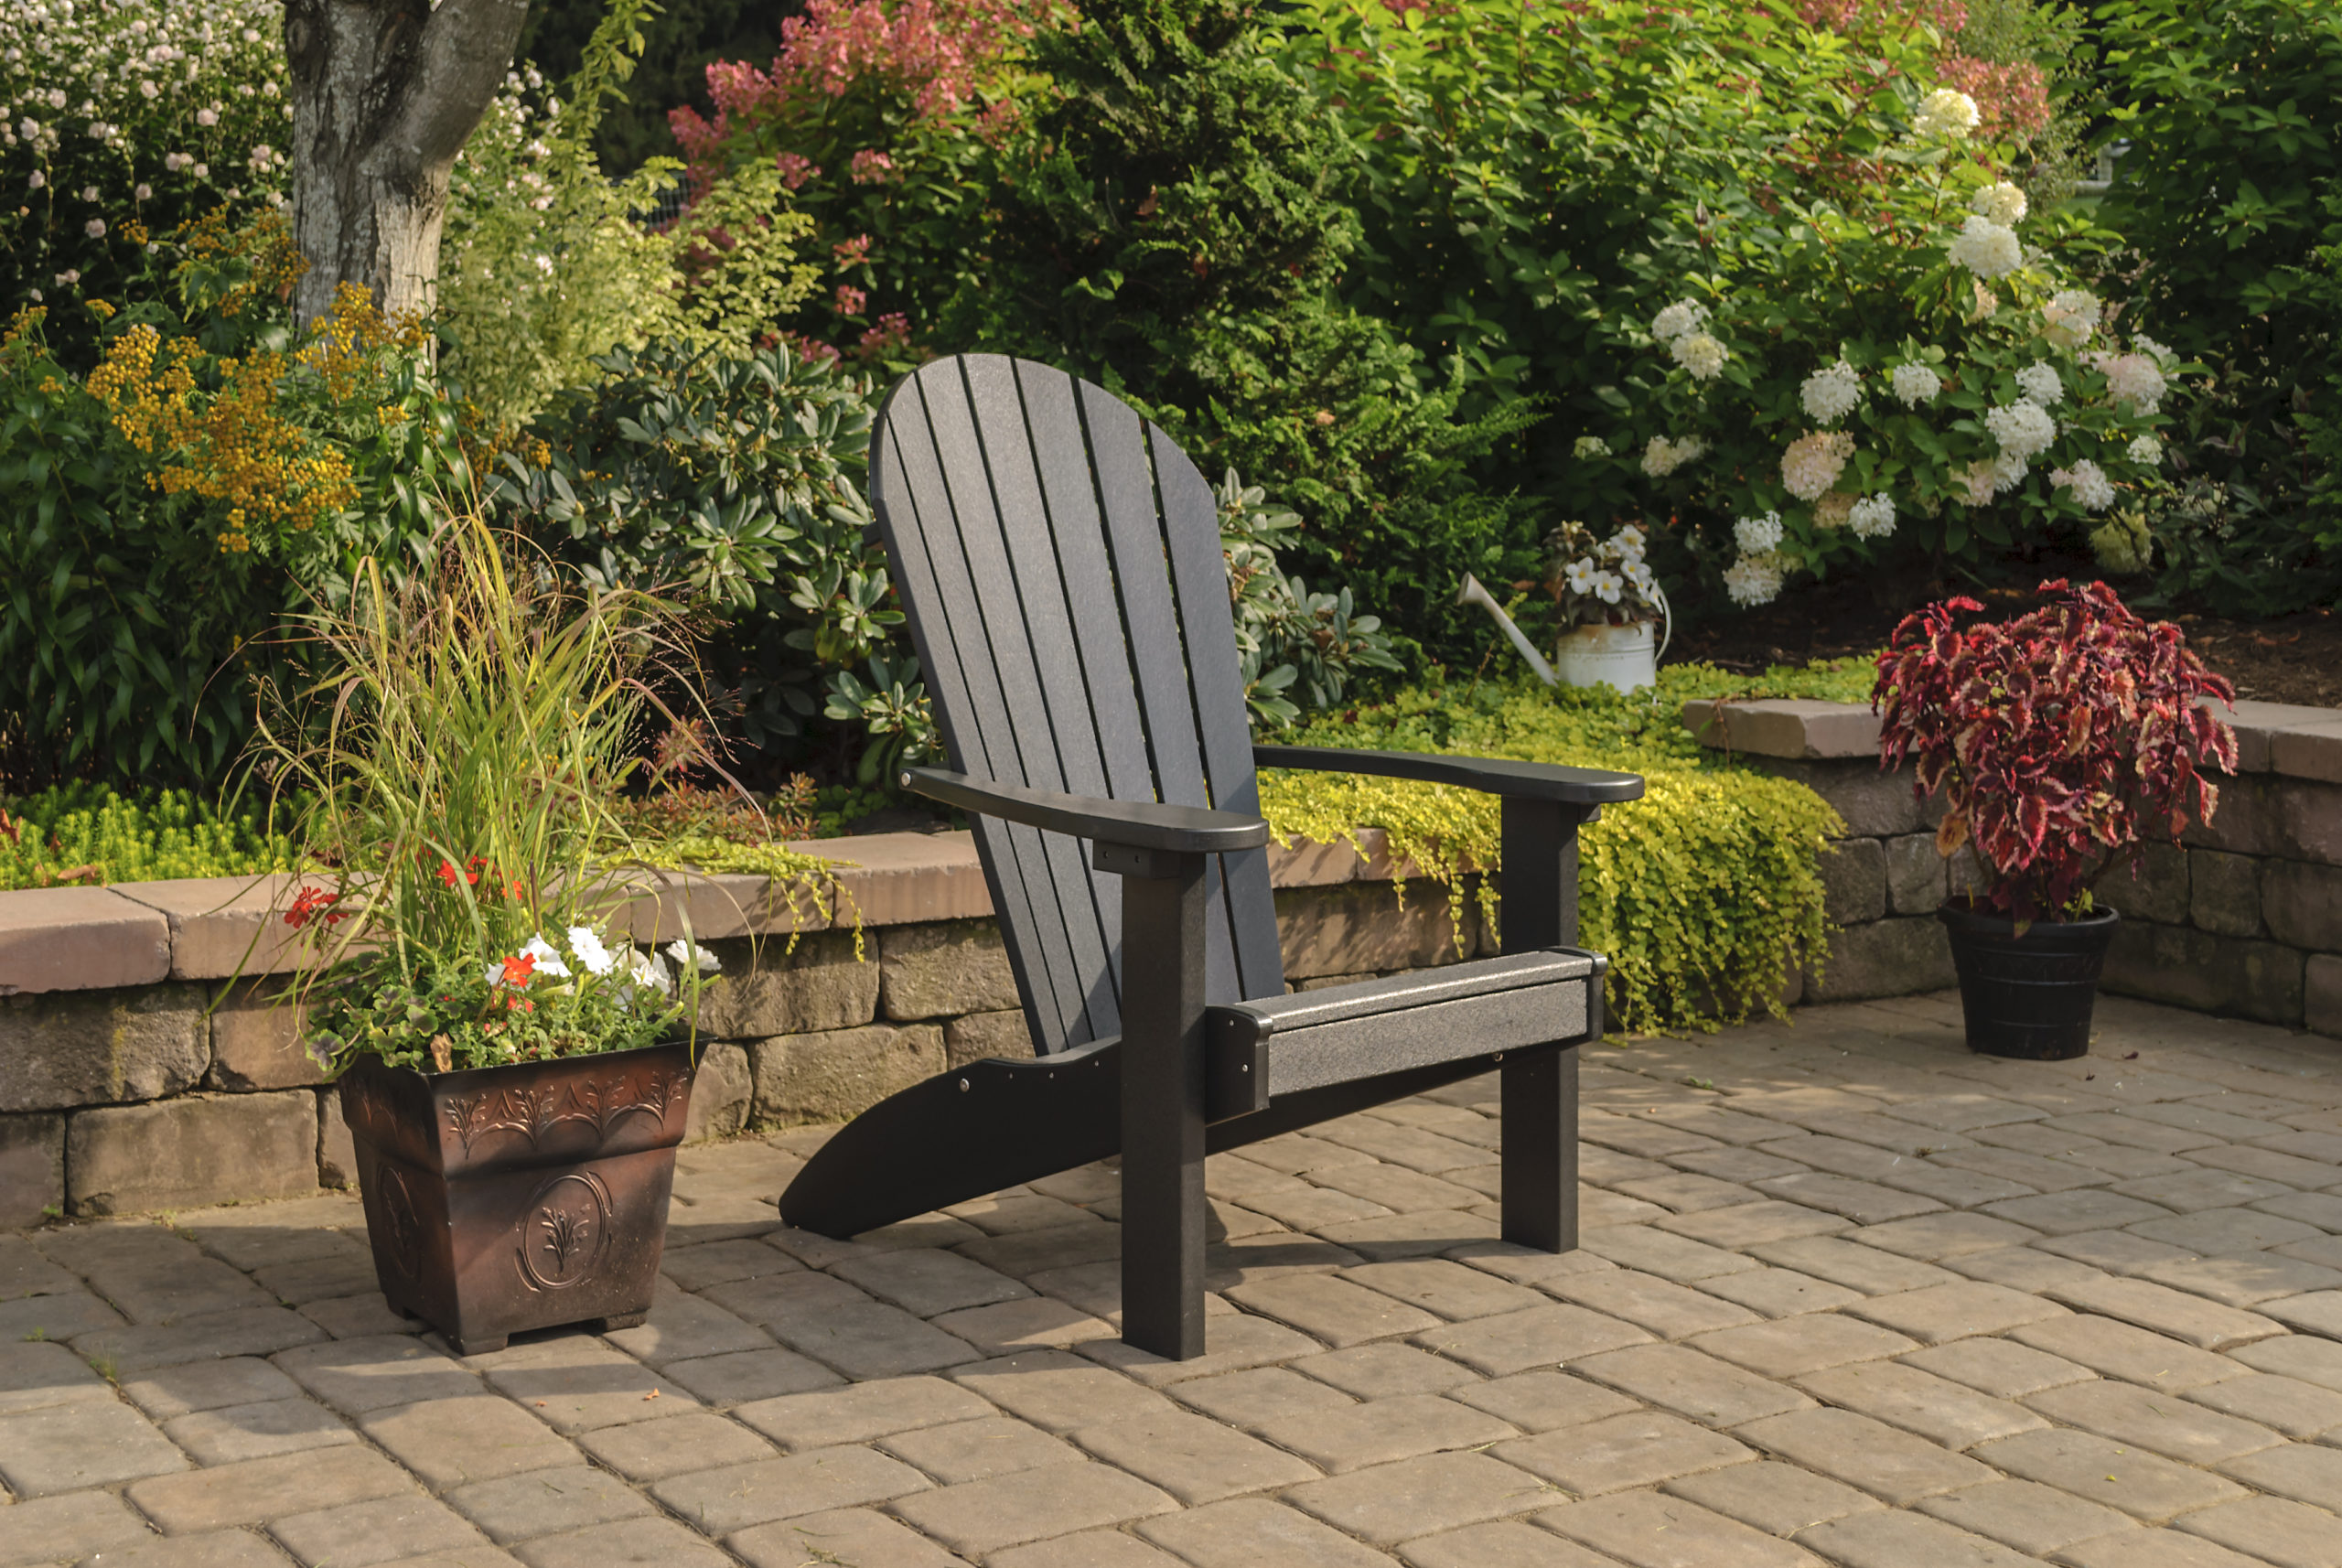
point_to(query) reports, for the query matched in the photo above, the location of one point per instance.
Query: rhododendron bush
(2063, 741)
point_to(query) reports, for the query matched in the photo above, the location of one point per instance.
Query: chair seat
(1311, 1039)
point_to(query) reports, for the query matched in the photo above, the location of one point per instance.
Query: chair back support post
(1164, 980)
(1538, 1089)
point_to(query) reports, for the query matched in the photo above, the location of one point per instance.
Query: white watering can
(1625, 656)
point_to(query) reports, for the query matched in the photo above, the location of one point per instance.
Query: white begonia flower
(1987, 249)
(691, 956)
(1916, 384)
(1757, 535)
(1590, 446)
(1637, 573)
(1630, 537)
(1608, 586)
(1579, 576)
(2040, 382)
(2024, 429)
(2145, 449)
(1945, 115)
(1684, 316)
(548, 957)
(585, 947)
(1663, 456)
(1754, 580)
(1813, 462)
(2002, 203)
(1832, 392)
(2070, 317)
(1872, 517)
(2089, 482)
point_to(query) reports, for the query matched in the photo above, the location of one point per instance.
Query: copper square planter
(522, 1196)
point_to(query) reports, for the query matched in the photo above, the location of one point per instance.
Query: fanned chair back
(1061, 560)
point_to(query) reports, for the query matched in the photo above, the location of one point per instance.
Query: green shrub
(87, 833)
(1704, 893)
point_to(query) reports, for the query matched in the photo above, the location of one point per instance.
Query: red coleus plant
(2062, 740)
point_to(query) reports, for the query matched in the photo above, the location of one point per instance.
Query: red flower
(313, 904)
(518, 969)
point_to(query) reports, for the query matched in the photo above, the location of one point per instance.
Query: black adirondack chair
(1060, 563)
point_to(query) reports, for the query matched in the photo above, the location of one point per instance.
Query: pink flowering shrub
(874, 110)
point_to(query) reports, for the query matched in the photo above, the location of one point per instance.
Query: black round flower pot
(2028, 995)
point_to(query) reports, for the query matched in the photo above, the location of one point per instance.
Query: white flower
(144, 193)
(1590, 446)
(262, 154)
(1608, 586)
(1684, 316)
(1832, 392)
(56, 97)
(2134, 379)
(2070, 317)
(2145, 449)
(89, 193)
(1916, 384)
(1945, 115)
(1985, 479)
(2152, 349)
(1663, 456)
(547, 956)
(95, 228)
(1629, 538)
(545, 264)
(203, 171)
(1872, 517)
(1754, 580)
(1699, 354)
(1987, 249)
(2003, 203)
(207, 117)
(1579, 576)
(2024, 429)
(1813, 462)
(37, 180)
(1636, 572)
(2040, 382)
(586, 947)
(1757, 535)
(2089, 483)
(648, 968)
(148, 90)
(691, 956)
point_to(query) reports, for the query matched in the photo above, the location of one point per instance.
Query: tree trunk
(384, 94)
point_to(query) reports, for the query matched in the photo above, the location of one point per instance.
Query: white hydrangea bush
(120, 120)
(1924, 374)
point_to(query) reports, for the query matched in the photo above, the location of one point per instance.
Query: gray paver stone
(861, 1411)
(248, 1331)
(1334, 1310)
(2153, 1549)
(1791, 1347)
(1503, 1543)
(979, 1516)
(1638, 1450)
(1229, 1343)
(1376, 1371)
(1997, 1367)
(1667, 1309)
(1649, 1530)
(747, 1375)
(388, 1530)
(208, 1385)
(2312, 1360)
(1900, 1539)
(1084, 1549)
(2271, 1530)
(2245, 1280)
(1389, 1503)
(2295, 1408)
(231, 1432)
(70, 1524)
(67, 1314)
(737, 1495)
(1378, 1431)
(651, 1450)
(1246, 1531)
(66, 1447)
(927, 1283)
(1538, 1337)
(971, 1450)
(262, 1489)
(1661, 1252)
(855, 1537)
(544, 1502)
(212, 1548)
(2308, 1472)
(1918, 1401)
(2122, 1350)
(1889, 1464)
(577, 1384)
(1690, 1382)
(1193, 1458)
(1940, 1312)
(2159, 1422)
(451, 1442)
(2026, 1515)
(1778, 1498)
(2087, 1466)
(355, 1376)
(1259, 1396)
(1855, 1265)
(1540, 1401)
(33, 1375)
(629, 1543)
(684, 1328)
(2204, 1324)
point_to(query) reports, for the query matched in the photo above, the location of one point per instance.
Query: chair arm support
(1124, 824)
(1489, 775)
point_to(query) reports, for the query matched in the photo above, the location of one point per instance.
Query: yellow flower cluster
(266, 241)
(347, 350)
(230, 445)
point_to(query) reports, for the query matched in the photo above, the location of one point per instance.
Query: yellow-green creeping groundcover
(1704, 893)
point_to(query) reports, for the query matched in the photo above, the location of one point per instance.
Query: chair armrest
(1489, 775)
(1131, 824)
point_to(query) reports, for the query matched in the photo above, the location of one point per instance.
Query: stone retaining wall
(137, 1074)
(2245, 920)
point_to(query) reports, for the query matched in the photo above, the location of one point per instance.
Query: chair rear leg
(1539, 1089)
(1163, 1107)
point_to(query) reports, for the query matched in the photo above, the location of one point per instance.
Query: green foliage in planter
(1704, 893)
(87, 833)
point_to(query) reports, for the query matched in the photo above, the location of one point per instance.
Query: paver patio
(1848, 1294)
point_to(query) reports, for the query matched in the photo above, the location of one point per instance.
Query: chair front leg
(1539, 1088)
(1162, 1099)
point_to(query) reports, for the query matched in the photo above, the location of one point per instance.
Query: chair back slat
(1060, 560)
